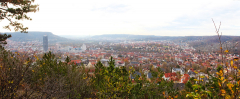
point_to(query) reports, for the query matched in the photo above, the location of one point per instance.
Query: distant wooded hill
(131, 37)
(212, 39)
(30, 36)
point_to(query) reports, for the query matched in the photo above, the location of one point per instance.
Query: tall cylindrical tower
(45, 43)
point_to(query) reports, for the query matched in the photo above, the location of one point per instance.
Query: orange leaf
(235, 59)
(235, 67)
(231, 63)
(226, 51)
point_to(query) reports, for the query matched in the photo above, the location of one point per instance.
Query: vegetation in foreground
(25, 76)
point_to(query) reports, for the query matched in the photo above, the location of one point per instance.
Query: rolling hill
(33, 35)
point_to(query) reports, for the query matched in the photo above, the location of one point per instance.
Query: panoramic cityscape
(119, 50)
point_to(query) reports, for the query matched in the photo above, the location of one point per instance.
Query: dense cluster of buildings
(179, 62)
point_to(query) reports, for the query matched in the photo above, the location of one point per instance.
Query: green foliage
(33, 77)
(12, 73)
(3, 38)
(112, 82)
(219, 68)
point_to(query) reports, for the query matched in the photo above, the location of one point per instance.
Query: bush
(24, 76)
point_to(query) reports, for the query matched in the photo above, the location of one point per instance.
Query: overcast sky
(143, 17)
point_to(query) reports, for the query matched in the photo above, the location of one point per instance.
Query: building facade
(45, 43)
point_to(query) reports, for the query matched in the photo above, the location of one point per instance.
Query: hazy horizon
(78, 35)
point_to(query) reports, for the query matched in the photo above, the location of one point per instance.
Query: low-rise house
(181, 70)
(120, 63)
(76, 62)
(104, 62)
(179, 62)
(191, 73)
(135, 64)
(90, 65)
(85, 62)
(184, 79)
(169, 76)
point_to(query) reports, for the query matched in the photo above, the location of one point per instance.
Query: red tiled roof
(184, 78)
(170, 74)
(93, 63)
(76, 61)
(173, 78)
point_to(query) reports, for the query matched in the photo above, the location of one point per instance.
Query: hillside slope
(32, 35)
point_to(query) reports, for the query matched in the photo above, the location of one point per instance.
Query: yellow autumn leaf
(10, 81)
(230, 85)
(235, 59)
(221, 71)
(219, 84)
(221, 78)
(176, 96)
(224, 80)
(130, 67)
(231, 62)
(227, 97)
(223, 92)
(226, 51)
(235, 67)
(26, 62)
(196, 80)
